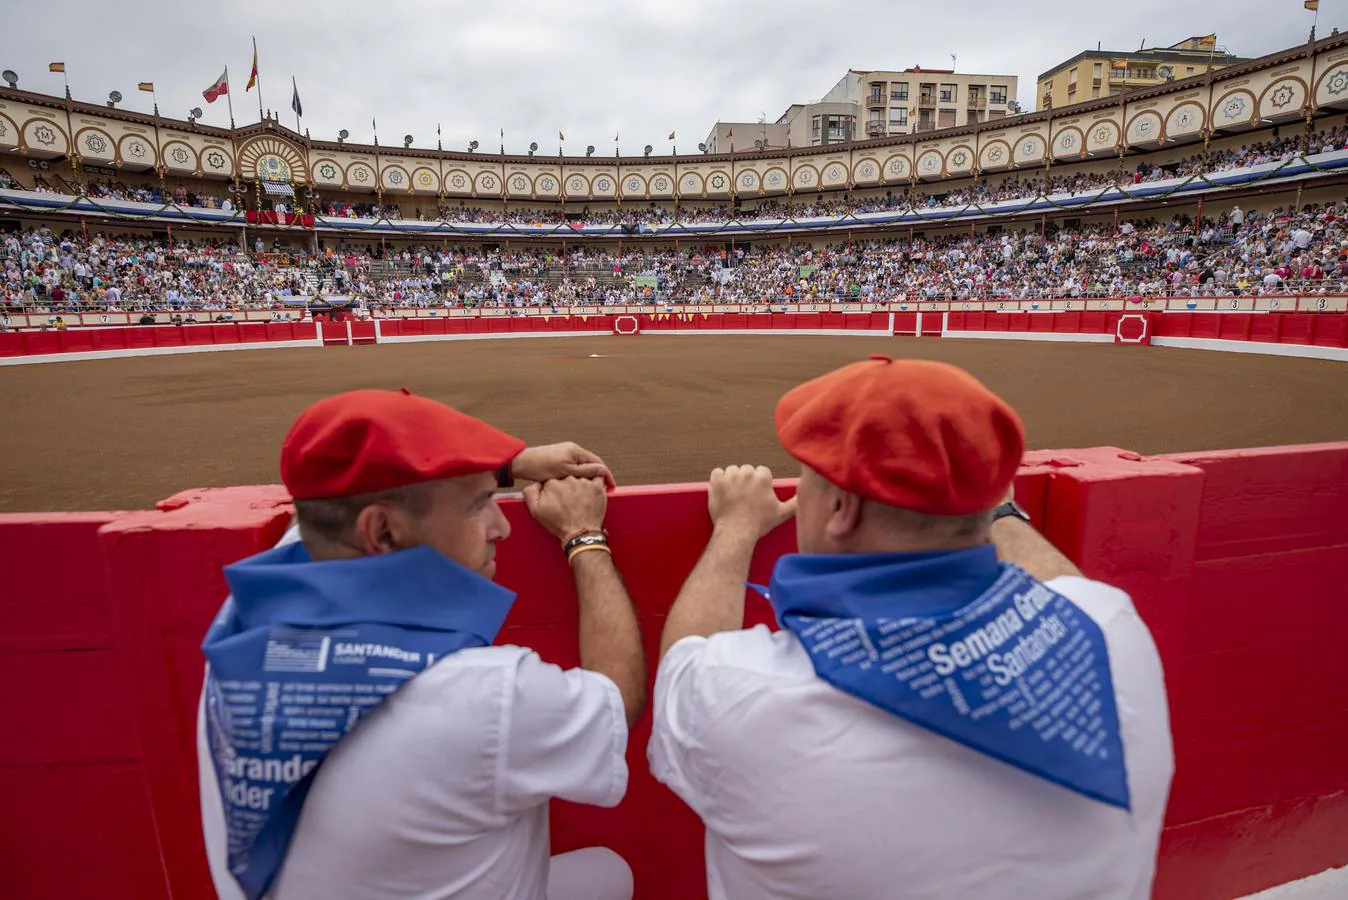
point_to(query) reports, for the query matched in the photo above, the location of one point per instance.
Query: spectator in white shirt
(930, 721)
(395, 752)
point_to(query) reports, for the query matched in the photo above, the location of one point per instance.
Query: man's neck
(916, 543)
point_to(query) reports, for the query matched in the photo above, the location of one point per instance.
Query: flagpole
(229, 98)
(259, 80)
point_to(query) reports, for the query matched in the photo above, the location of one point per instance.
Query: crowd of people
(983, 190)
(1232, 253)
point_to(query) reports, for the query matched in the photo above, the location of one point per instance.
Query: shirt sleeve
(680, 710)
(565, 736)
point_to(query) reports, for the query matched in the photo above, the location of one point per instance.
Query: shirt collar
(418, 588)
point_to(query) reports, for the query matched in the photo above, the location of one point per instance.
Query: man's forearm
(1018, 542)
(610, 640)
(712, 599)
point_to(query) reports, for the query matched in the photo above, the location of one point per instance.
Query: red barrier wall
(1314, 329)
(1234, 559)
(131, 337)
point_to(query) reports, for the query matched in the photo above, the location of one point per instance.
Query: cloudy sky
(589, 68)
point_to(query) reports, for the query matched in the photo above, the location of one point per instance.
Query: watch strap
(1008, 509)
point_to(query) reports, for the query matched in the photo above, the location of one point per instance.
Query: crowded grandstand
(1252, 211)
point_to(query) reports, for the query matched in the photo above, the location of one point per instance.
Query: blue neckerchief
(300, 653)
(970, 648)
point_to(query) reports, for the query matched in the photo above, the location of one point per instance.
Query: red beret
(920, 435)
(366, 441)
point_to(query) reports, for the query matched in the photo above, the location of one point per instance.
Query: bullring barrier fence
(1233, 558)
(42, 317)
(1315, 334)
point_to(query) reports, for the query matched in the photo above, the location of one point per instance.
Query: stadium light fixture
(193, 114)
(11, 78)
(759, 144)
(472, 146)
(114, 97)
(533, 147)
(407, 141)
(589, 151)
(343, 135)
(703, 148)
(646, 150)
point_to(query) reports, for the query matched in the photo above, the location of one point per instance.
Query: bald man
(949, 710)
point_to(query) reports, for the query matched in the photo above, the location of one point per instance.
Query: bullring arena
(696, 402)
(1176, 347)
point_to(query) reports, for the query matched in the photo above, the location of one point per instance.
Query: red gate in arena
(1235, 560)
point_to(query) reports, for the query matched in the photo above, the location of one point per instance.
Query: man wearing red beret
(949, 709)
(359, 734)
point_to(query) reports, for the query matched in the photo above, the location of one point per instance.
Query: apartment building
(875, 104)
(1097, 73)
(917, 99)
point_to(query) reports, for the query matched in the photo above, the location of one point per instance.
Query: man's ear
(380, 529)
(844, 515)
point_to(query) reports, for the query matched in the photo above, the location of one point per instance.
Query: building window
(1097, 70)
(1117, 72)
(838, 129)
(814, 127)
(899, 91)
(1072, 78)
(997, 94)
(1188, 70)
(947, 93)
(898, 118)
(1095, 92)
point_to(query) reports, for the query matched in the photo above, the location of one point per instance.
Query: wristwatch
(1010, 508)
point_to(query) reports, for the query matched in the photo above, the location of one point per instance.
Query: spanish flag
(146, 86)
(1313, 4)
(56, 67)
(252, 76)
(560, 136)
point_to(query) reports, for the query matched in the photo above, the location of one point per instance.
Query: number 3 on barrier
(1321, 303)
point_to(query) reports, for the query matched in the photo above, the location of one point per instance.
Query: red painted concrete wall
(1235, 560)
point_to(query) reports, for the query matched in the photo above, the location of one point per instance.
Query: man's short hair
(331, 520)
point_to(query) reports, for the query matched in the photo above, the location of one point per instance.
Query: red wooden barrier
(1235, 560)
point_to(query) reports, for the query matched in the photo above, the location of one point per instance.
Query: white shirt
(442, 790)
(808, 792)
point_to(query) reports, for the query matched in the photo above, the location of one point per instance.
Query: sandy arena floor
(121, 434)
